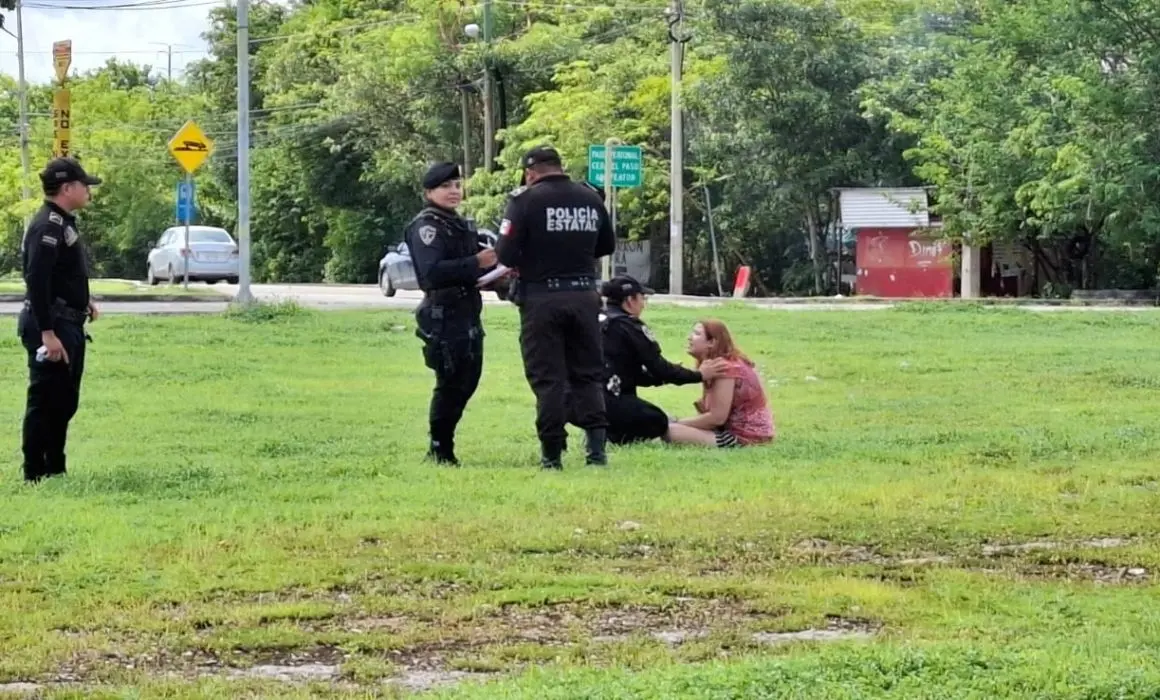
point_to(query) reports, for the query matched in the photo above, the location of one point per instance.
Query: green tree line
(1030, 122)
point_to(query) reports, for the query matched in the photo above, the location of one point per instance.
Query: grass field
(962, 504)
(9, 285)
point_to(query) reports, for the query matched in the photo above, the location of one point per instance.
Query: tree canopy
(1030, 122)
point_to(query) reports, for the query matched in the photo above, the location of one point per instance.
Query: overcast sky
(134, 35)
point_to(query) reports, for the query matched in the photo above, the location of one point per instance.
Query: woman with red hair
(733, 409)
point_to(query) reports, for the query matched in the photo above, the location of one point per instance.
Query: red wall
(892, 263)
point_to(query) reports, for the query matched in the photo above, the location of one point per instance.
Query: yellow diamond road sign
(190, 146)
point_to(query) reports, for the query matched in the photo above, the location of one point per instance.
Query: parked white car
(212, 256)
(397, 271)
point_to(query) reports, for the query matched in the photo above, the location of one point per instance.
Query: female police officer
(632, 358)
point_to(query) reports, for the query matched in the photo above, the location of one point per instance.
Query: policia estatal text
(446, 254)
(51, 324)
(553, 232)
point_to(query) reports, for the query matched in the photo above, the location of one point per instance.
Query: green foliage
(1031, 122)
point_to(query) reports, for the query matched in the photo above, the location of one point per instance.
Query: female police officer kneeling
(632, 358)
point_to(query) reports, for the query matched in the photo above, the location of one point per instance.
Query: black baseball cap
(537, 156)
(622, 287)
(60, 171)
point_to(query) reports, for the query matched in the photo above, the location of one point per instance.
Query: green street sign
(627, 166)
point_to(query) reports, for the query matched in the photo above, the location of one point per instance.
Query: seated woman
(733, 409)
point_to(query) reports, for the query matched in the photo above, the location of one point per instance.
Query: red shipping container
(896, 263)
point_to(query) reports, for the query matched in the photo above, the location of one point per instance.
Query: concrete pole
(24, 157)
(244, 296)
(677, 166)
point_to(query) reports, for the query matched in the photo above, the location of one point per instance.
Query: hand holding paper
(499, 271)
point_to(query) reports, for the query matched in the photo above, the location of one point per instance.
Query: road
(335, 297)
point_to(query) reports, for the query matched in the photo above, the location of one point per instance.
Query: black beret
(439, 173)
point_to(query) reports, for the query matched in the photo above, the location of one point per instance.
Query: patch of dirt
(21, 689)
(303, 673)
(1100, 574)
(836, 629)
(419, 681)
(992, 550)
(818, 550)
(441, 651)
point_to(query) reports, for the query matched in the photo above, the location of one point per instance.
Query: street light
(473, 31)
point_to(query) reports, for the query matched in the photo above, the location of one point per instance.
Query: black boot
(550, 455)
(56, 465)
(442, 452)
(596, 438)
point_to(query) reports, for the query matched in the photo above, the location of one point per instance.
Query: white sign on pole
(633, 258)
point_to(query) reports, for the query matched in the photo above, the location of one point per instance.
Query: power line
(127, 7)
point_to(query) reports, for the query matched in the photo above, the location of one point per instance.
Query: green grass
(247, 489)
(120, 287)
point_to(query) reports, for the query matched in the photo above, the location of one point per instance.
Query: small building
(899, 251)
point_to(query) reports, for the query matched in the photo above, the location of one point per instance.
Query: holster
(516, 291)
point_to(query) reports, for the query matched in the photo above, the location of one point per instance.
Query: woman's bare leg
(686, 435)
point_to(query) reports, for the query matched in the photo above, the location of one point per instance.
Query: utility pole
(465, 113)
(488, 92)
(24, 158)
(677, 163)
(244, 297)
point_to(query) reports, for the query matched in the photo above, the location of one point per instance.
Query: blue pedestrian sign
(185, 204)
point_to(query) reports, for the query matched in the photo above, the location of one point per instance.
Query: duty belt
(561, 284)
(64, 312)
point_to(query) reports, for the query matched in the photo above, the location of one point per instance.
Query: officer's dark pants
(457, 359)
(632, 419)
(563, 362)
(54, 390)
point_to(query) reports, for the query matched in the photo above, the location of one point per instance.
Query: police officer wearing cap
(448, 261)
(632, 359)
(51, 324)
(553, 232)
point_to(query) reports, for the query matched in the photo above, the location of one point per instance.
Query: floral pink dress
(750, 418)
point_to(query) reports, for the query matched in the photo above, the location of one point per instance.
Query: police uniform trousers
(632, 419)
(457, 360)
(561, 344)
(54, 390)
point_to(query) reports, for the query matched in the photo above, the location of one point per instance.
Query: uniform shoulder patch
(505, 227)
(518, 191)
(648, 333)
(427, 234)
(70, 236)
(55, 218)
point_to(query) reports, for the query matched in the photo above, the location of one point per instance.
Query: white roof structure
(883, 207)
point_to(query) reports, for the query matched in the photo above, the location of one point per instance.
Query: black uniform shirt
(632, 356)
(443, 246)
(54, 264)
(555, 228)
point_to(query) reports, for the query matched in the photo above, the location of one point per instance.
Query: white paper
(499, 271)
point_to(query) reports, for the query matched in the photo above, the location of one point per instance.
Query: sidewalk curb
(17, 298)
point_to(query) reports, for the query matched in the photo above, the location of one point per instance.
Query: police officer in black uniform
(553, 232)
(448, 261)
(632, 358)
(51, 324)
